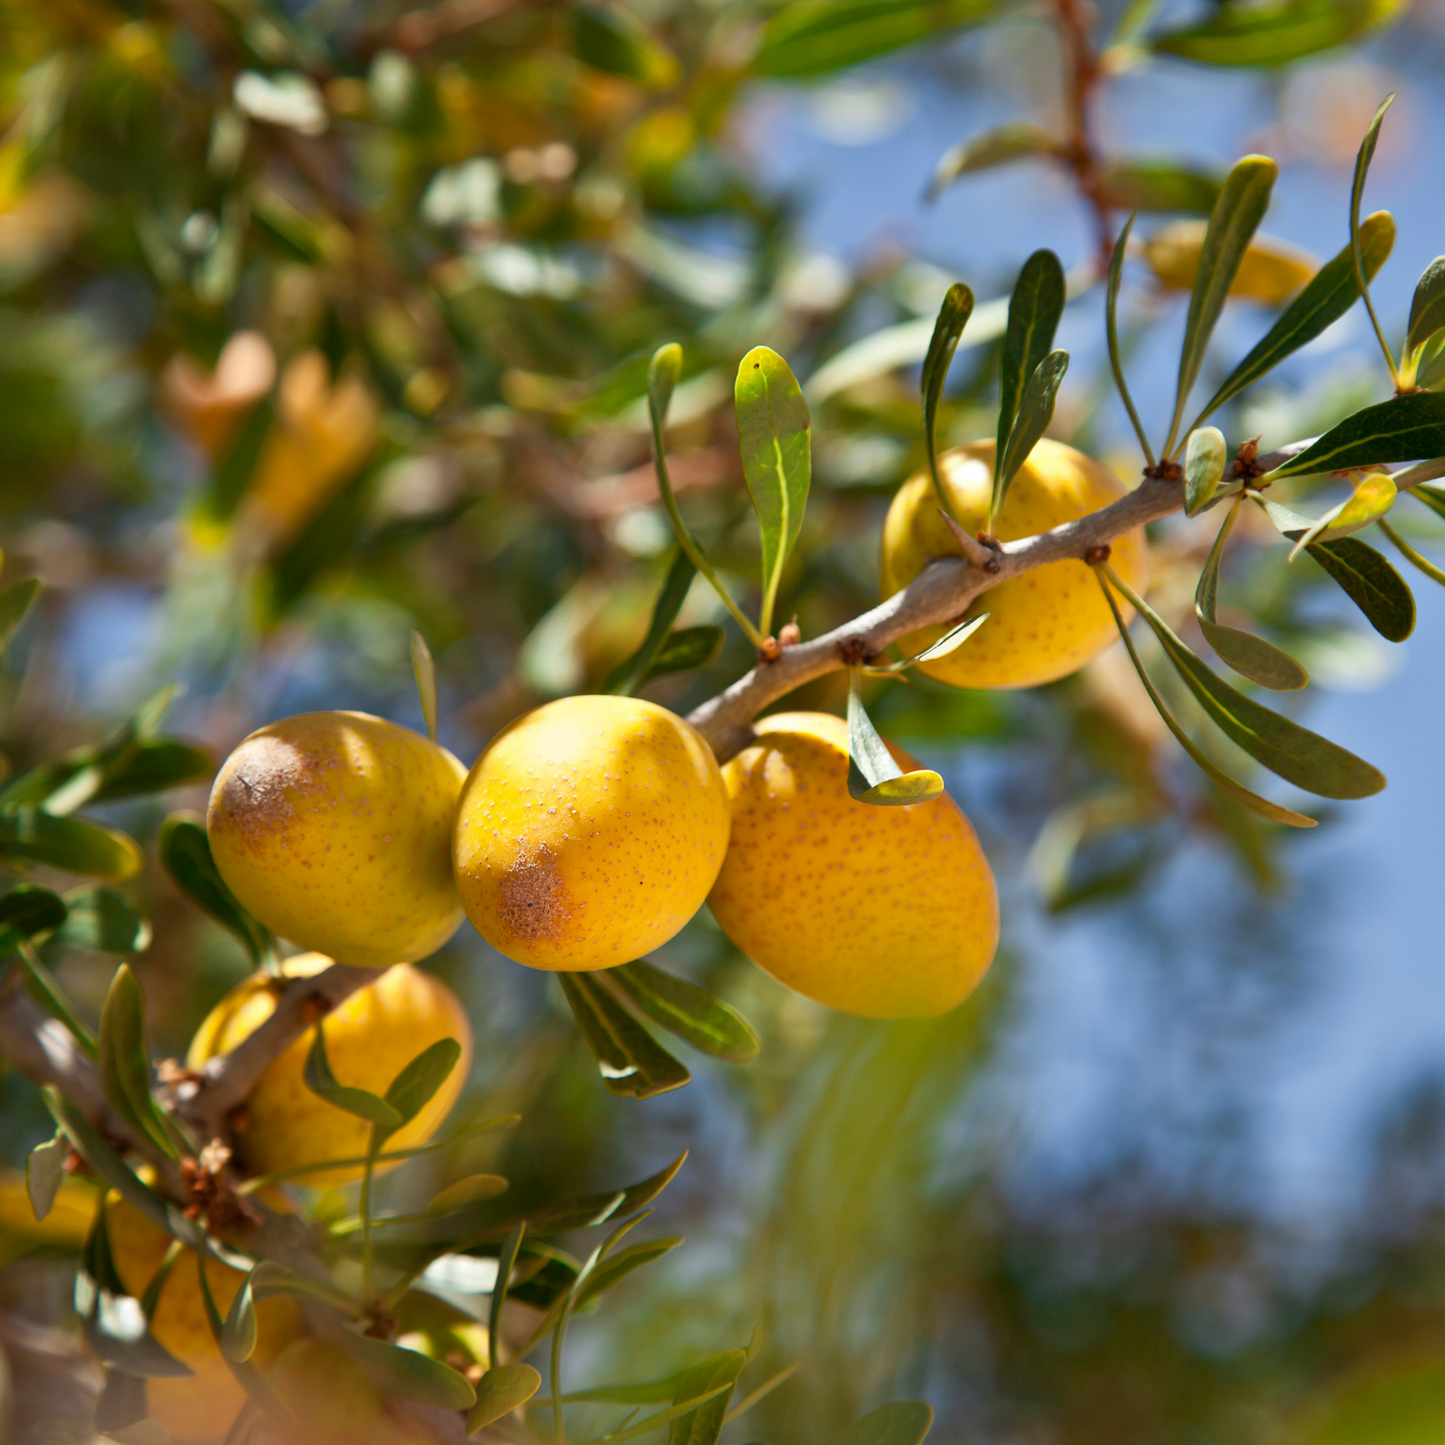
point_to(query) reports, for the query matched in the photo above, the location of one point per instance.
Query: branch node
(1096, 556)
(1165, 471)
(791, 634)
(853, 651)
(1246, 465)
(982, 551)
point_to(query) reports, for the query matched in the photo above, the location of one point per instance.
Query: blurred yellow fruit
(333, 1401)
(210, 407)
(883, 912)
(1271, 271)
(334, 829)
(589, 832)
(370, 1038)
(65, 1227)
(201, 1406)
(1044, 625)
(322, 436)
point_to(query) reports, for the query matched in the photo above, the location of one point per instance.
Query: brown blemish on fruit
(253, 797)
(532, 902)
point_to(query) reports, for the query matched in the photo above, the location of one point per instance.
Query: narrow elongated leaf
(1159, 186)
(687, 1010)
(99, 920)
(15, 605)
(654, 1422)
(1357, 195)
(952, 318)
(818, 37)
(703, 1425)
(1273, 812)
(1236, 217)
(1427, 308)
(1398, 430)
(615, 1268)
(244, 1372)
(238, 1332)
(26, 912)
(1296, 754)
(45, 989)
(632, 1063)
(650, 1392)
(873, 776)
(44, 1173)
(1036, 411)
(596, 1209)
(1328, 296)
(424, 669)
(318, 1077)
(1111, 324)
(416, 1085)
(410, 1374)
(954, 637)
(103, 1160)
(684, 649)
(123, 1062)
(506, 1263)
(1239, 34)
(1248, 655)
(632, 672)
(1371, 584)
(186, 853)
(75, 844)
(1414, 558)
(1204, 458)
(270, 1278)
(153, 766)
(1033, 317)
(1373, 496)
(501, 1390)
(989, 148)
(609, 39)
(473, 1189)
(901, 1422)
(774, 433)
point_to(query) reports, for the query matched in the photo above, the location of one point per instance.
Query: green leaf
(952, 318)
(27, 911)
(773, 430)
(410, 1374)
(661, 1418)
(238, 1332)
(1204, 457)
(632, 672)
(1033, 317)
(1242, 34)
(990, 148)
(703, 1425)
(1398, 430)
(1330, 293)
(687, 1010)
(1250, 656)
(818, 37)
(99, 920)
(1373, 496)
(954, 637)
(1427, 308)
(610, 40)
(1413, 557)
(1236, 217)
(873, 776)
(1357, 194)
(1158, 186)
(46, 989)
(1284, 747)
(651, 1392)
(234, 471)
(74, 844)
(124, 1064)
(683, 650)
(271, 1278)
(1111, 325)
(15, 605)
(632, 1063)
(44, 1173)
(416, 1085)
(425, 672)
(1036, 411)
(501, 1390)
(186, 853)
(244, 1372)
(155, 765)
(473, 1189)
(1371, 584)
(103, 1160)
(506, 1263)
(318, 1077)
(902, 1422)
(617, 1267)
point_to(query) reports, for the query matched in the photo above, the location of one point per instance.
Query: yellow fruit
(883, 912)
(1271, 271)
(66, 1226)
(334, 829)
(333, 1401)
(1043, 625)
(201, 1406)
(370, 1038)
(589, 832)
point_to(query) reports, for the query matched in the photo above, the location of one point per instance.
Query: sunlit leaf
(1034, 310)
(703, 1425)
(632, 1063)
(99, 920)
(1398, 430)
(1204, 457)
(987, 149)
(1242, 34)
(318, 1077)
(1036, 411)
(774, 433)
(953, 316)
(816, 37)
(500, 1391)
(74, 844)
(1427, 308)
(424, 669)
(686, 1009)
(186, 853)
(1414, 558)
(1111, 326)
(873, 776)
(1373, 496)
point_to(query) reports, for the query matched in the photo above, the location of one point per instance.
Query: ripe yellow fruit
(201, 1406)
(333, 1401)
(334, 829)
(370, 1038)
(883, 912)
(1270, 271)
(589, 832)
(1049, 622)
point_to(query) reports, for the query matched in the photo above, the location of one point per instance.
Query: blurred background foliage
(320, 322)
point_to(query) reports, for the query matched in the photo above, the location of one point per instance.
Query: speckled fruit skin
(882, 912)
(333, 1401)
(589, 832)
(334, 829)
(1043, 625)
(370, 1038)
(201, 1406)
